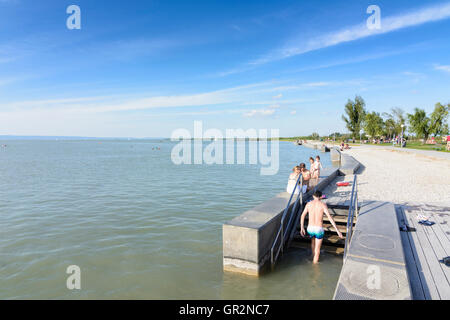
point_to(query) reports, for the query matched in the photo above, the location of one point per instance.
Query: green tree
(400, 120)
(373, 124)
(315, 136)
(356, 113)
(394, 121)
(390, 127)
(336, 135)
(419, 123)
(438, 120)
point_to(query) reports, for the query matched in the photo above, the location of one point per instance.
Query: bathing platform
(386, 253)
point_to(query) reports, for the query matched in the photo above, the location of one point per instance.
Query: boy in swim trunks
(316, 209)
(306, 176)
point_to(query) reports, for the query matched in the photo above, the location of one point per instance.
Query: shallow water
(138, 226)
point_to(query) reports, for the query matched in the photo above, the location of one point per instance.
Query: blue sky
(146, 68)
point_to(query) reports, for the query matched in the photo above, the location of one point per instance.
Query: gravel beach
(402, 177)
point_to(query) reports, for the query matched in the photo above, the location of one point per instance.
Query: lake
(137, 225)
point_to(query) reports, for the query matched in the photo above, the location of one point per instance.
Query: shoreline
(402, 177)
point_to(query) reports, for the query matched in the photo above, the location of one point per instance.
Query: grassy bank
(418, 145)
(296, 138)
(410, 145)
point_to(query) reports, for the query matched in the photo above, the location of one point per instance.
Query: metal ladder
(285, 232)
(352, 212)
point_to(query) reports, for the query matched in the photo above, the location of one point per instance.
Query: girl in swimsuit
(317, 167)
(311, 166)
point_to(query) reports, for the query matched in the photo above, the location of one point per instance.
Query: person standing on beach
(316, 209)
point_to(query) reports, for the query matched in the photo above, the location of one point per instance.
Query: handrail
(351, 214)
(281, 234)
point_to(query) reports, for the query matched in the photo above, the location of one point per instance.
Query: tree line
(393, 123)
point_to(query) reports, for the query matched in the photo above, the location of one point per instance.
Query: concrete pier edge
(375, 266)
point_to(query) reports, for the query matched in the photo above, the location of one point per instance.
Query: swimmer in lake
(316, 209)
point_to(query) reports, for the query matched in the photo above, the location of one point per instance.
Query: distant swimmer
(316, 209)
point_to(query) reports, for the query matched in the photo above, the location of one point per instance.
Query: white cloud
(259, 112)
(442, 68)
(356, 32)
(363, 58)
(413, 74)
(117, 103)
(294, 112)
(6, 81)
(318, 84)
(236, 27)
(302, 86)
(388, 24)
(279, 96)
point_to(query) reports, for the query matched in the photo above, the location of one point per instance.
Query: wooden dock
(425, 248)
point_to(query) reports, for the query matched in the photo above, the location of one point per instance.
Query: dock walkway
(425, 248)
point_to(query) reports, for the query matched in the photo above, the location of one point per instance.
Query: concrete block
(248, 238)
(335, 155)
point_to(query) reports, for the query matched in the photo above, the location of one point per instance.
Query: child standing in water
(316, 209)
(317, 167)
(311, 165)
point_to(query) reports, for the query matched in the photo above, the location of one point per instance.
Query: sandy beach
(402, 177)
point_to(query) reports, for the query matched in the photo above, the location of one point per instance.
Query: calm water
(138, 226)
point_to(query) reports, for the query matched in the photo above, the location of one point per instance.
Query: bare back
(316, 209)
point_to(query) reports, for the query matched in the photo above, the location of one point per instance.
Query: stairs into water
(331, 241)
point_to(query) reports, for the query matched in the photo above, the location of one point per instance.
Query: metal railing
(285, 231)
(352, 212)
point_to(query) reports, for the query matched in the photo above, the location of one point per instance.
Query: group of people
(344, 146)
(310, 177)
(316, 209)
